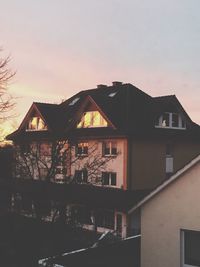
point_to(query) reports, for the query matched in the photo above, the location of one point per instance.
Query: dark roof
(130, 110)
(50, 112)
(121, 253)
(90, 195)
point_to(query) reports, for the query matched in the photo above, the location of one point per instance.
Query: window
(73, 102)
(106, 219)
(190, 242)
(109, 178)
(81, 176)
(170, 120)
(92, 119)
(82, 149)
(110, 148)
(112, 94)
(36, 124)
(169, 167)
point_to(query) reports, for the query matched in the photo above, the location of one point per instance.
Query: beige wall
(184, 152)
(175, 208)
(147, 163)
(112, 164)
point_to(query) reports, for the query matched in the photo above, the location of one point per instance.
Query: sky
(59, 47)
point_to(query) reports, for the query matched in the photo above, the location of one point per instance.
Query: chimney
(116, 83)
(101, 86)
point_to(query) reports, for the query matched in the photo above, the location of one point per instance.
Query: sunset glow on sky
(61, 47)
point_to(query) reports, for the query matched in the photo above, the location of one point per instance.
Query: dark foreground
(23, 241)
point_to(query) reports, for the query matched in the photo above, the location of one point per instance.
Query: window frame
(109, 178)
(182, 247)
(84, 176)
(112, 146)
(39, 119)
(181, 121)
(84, 149)
(92, 114)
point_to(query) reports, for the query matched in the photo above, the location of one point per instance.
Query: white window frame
(170, 114)
(109, 179)
(182, 250)
(111, 145)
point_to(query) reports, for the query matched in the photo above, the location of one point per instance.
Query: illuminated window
(92, 119)
(82, 149)
(109, 148)
(170, 120)
(36, 124)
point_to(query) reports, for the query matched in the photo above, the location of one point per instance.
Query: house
(112, 136)
(170, 220)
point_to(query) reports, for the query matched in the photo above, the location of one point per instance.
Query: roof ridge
(163, 96)
(45, 103)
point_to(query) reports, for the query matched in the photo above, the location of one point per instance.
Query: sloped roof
(50, 113)
(124, 252)
(130, 110)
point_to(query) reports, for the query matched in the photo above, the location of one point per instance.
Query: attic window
(74, 101)
(112, 94)
(92, 119)
(36, 124)
(170, 120)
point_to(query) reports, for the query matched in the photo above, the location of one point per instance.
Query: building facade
(170, 228)
(112, 136)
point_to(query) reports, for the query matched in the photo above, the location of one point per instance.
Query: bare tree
(6, 100)
(52, 162)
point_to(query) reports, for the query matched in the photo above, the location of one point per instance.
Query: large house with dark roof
(141, 139)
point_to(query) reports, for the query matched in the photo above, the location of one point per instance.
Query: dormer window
(170, 120)
(36, 124)
(92, 119)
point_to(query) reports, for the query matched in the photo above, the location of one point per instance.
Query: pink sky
(61, 47)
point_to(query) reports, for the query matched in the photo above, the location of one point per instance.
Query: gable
(170, 114)
(92, 116)
(36, 123)
(33, 121)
